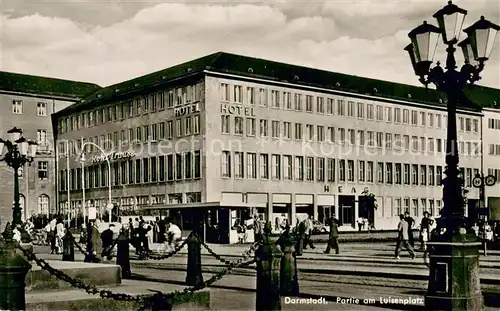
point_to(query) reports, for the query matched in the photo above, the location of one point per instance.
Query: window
(17, 106)
(320, 133)
(43, 172)
(252, 165)
(250, 96)
(161, 168)
(41, 109)
(320, 105)
(361, 137)
(264, 166)
(263, 97)
(287, 130)
(275, 99)
(179, 165)
(406, 116)
(275, 129)
(298, 131)
(320, 169)
(43, 205)
(297, 102)
(414, 118)
(380, 113)
(226, 164)
(145, 170)
(438, 121)
(380, 172)
(196, 125)
(340, 107)
(397, 115)
(287, 100)
(41, 137)
(170, 167)
(350, 109)
(188, 127)
(224, 92)
(287, 167)
(439, 175)
(250, 127)
(369, 111)
(361, 170)
(310, 169)
(239, 165)
(197, 164)
(188, 165)
(397, 203)
(422, 118)
(299, 168)
(398, 174)
(430, 119)
(369, 171)
(263, 128)
(331, 134)
(423, 175)
(276, 166)
(329, 106)
(342, 170)
(331, 170)
(308, 103)
(414, 205)
(414, 174)
(388, 114)
(309, 132)
(406, 179)
(178, 129)
(238, 125)
(388, 172)
(361, 110)
(350, 170)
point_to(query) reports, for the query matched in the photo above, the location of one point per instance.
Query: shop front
(326, 208)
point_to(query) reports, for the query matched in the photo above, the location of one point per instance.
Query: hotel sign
(237, 110)
(185, 110)
(113, 156)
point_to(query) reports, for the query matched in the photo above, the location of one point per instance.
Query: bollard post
(123, 254)
(268, 259)
(13, 270)
(194, 275)
(68, 247)
(289, 283)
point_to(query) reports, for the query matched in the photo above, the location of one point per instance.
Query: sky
(109, 41)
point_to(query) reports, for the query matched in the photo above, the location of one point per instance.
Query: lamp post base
(454, 282)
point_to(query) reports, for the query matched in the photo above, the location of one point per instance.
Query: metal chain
(79, 247)
(219, 257)
(177, 249)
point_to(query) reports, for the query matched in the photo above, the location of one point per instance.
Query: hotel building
(26, 102)
(234, 135)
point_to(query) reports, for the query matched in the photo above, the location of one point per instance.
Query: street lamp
(454, 258)
(82, 162)
(19, 152)
(109, 206)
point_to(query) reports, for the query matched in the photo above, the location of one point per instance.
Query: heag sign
(185, 110)
(113, 156)
(237, 110)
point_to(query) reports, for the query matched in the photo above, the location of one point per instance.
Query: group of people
(406, 238)
(55, 231)
(143, 233)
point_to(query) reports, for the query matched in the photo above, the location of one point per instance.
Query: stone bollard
(13, 270)
(268, 259)
(289, 282)
(123, 254)
(68, 247)
(194, 271)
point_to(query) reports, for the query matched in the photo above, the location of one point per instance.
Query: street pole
(16, 210)
(68, 182)
(83, 191)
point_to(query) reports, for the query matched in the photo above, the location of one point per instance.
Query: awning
(180, 206)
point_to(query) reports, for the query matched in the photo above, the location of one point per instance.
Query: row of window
(17, 108)
(180, 166)
(302, 168)
(320, 133)
(42, 170)
(330, 106)
(417, 207)
(494, 149)
(142, 134)
(494, 124)
(138, 106)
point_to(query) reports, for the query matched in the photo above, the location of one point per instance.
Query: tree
(367, 204)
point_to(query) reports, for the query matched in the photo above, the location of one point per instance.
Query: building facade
(491, 162)
(27, 103)
(235, 136)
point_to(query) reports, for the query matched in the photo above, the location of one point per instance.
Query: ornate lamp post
(454, 258)
(19, 152)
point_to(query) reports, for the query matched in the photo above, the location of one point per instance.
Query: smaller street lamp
(19, 152)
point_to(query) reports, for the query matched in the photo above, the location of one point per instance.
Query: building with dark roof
(27, 102)
(237, 136)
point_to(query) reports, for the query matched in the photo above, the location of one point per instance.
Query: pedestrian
(403, 237)
(107, 242)
(60, 232)
(156, 230)
(425, 226)
(161, 230)
(174, 235)
(361, 223)
(52, 235)
(95, 240)
(411, 222)
(257, 228)
(308, 232)
(333, 237)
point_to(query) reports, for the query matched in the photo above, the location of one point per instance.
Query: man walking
(257, 228)
(309, 229)
(107, 242)
(403, 238)
(333, 238)
(410, 221)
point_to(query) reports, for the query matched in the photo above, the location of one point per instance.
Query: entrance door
(324, 212)
(346, 209)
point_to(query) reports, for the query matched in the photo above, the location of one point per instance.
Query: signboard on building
(113, 156)
(186, 110)
(237, 110)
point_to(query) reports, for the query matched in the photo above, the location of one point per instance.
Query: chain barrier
(79, 247)
(219, 257)
(149, 254)
(90, 289)
(189, 291)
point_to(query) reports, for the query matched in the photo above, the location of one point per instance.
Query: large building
(27, 102)
(235, 135)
